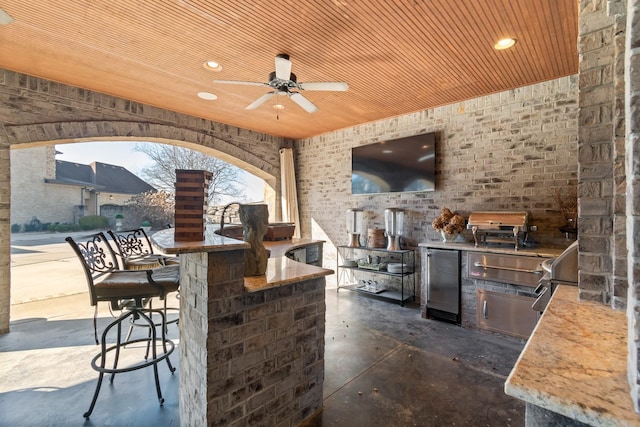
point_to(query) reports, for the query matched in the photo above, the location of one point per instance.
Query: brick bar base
(248, 358)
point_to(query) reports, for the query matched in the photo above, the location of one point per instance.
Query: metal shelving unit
(361, 276)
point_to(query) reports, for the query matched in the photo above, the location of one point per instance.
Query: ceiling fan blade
(258, 102)
(236, 82)
(333, 86)
(304, 102)
(283, 67)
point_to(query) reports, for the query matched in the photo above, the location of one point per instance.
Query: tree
(157, 207)
(225, 179)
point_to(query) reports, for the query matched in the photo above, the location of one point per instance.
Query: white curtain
(289, 191)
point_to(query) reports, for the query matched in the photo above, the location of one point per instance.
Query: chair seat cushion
(150, 261)
(142, 263)
(134, 283)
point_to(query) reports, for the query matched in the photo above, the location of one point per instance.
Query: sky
(122, 153)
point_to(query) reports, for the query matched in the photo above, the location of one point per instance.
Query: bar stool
(128, 291)
(135, 251)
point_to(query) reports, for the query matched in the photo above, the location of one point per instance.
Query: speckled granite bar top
(280, 247)
(575, 363)
(284, 271)
(280, 269)
(212, 242)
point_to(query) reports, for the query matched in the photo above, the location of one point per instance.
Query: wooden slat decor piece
(398, 56)
(192, 188)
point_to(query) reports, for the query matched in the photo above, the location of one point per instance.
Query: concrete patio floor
(385, 366)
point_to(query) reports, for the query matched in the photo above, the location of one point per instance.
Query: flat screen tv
(398, 165)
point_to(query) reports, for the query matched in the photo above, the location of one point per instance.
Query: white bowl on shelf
(396, 267)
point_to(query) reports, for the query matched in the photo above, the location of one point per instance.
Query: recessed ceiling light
(5, 18)
(387, 151)
(278, 107)
(504, 43)
(212, 66)
(207, 95)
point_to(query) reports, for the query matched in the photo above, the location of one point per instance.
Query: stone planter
(255, 221)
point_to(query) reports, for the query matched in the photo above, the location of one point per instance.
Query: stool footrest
(130, 368)
(99, 362)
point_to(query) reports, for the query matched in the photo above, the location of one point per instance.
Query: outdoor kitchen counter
(506, 249)
(280, 269)
(575, 363)
(231, 324)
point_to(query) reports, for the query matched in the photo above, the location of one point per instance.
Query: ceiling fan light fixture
(278, 107)
(212, 66)
(207, 96)
(5, 18)
(505, 43)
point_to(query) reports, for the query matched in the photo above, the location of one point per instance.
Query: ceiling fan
(284, 82)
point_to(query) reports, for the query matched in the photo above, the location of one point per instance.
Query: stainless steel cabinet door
(506, 313)
(443, 280)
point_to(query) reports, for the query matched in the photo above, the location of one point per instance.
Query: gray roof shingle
(102, 176)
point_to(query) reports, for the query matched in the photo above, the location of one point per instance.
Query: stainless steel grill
(500, 227)
(562, 270)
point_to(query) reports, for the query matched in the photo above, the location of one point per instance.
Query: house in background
(58, 191)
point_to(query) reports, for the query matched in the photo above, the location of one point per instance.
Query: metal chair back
(136, 251)
(132, 244)
(97, 258)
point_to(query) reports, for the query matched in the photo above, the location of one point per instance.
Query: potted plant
(119, 219)
(146, 226)
(449, 224)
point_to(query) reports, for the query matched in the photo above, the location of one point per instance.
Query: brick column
(247, 358)
(5, 233)
(633, 195)
(596, 190)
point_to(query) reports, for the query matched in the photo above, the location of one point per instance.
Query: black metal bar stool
(135, 251)
(128, 291)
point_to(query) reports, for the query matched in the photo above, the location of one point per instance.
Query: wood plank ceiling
(398, 56)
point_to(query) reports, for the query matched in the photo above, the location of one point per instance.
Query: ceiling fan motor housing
(282, 85)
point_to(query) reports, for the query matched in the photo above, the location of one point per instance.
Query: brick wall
(633, 190)
(5, 232)
(31, 196)
(248, 358)
(507, 151)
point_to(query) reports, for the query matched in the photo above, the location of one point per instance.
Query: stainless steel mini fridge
(443, 284)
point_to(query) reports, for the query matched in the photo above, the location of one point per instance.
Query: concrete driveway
(44, 266)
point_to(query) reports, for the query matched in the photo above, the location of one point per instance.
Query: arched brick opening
(256, 153)
(82, 132)
(91, 131)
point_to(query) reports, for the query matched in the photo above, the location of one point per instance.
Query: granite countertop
(280, 247)
(283, 271)
(575, 363)
(212, 242)
(508, 249)
(280, 269)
